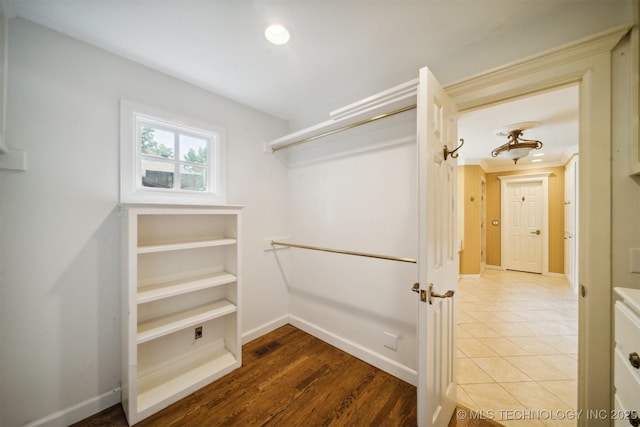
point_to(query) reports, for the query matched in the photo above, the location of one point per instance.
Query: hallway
(517, 348)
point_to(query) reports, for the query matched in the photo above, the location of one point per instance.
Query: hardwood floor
(289, 378)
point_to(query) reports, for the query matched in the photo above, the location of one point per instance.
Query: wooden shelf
(178, 246)
(158, 386)
(178, 287)
(165, 325)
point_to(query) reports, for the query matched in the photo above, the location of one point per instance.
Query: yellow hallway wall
(469, 227)
(556, 216)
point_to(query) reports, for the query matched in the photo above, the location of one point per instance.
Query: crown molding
(499, 83)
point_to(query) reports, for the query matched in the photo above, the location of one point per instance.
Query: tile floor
(517, 348)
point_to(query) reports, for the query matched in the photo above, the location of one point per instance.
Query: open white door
(438, 257)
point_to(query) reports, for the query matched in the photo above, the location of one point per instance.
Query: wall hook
(453, 153)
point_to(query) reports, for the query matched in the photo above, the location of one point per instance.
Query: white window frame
(131, 188)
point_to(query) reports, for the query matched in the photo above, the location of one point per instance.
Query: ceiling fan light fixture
(277, 34)
(516, 148)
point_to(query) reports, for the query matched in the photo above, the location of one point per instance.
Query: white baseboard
(493, 267)
(264, 329)
(558, 275)
(392, 367)
(469, 276)
(106, 400)
(81, 410)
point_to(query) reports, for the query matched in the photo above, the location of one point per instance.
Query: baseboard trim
(356, 350)
(264, 329)
(469, 276)
(92, 406)
(493, 267)
(559, 275)
(80, 411)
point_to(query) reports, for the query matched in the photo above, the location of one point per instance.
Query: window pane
(157, 142)
(193, 178)
(157, 174)
(193, 150)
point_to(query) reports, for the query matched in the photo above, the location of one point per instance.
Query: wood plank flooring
(300, 381)
(290, 378)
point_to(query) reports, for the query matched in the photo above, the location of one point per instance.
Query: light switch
(635, 260)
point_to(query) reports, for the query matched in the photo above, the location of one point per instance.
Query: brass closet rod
(347, 127)
(338, 251)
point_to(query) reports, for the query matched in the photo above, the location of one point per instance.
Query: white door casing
(571, 222)
(438, 261)
(524, 206)
(588, 63)
(483, 224)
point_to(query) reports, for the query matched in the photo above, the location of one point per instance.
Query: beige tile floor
(517, 348)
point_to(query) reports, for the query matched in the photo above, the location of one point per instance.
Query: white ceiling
(557, 113)
(341, 51)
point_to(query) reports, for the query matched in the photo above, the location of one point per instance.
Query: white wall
(357, 191)
(60, 219)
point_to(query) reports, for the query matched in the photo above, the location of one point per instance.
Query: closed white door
(524, 227)
(438, 261)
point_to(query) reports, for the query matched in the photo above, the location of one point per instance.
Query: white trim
(129, 190)
(392, 367)
(505, 182)
(80, 411)
(397, 97)
(588, 63)
(4, 148)
(634, 113)
(264, 329)
(388, 100)
(469, 276)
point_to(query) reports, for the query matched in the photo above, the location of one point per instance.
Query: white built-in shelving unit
(181, 272)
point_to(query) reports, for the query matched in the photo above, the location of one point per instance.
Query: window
(167, 159)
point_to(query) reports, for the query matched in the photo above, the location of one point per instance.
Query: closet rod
(338, 251)
(347, 127)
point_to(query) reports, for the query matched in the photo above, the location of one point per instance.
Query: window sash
(177, 161)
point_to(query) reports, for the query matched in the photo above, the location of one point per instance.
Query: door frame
(483, 223)
(588, 63)
(505, 181)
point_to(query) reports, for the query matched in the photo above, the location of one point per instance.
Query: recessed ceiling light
(277, 34)
(536, 160)
(538, 154)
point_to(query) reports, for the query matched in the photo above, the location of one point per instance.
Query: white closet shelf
(207, 366)
(165, 325)
(178, 246)
(178, 287)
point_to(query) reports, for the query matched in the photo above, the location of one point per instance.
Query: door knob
(448, 294)
(536, 232)
(634, 359)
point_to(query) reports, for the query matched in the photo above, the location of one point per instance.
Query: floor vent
(267, 348)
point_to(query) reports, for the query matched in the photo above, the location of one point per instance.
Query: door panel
(438, 258)
(524, 227)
